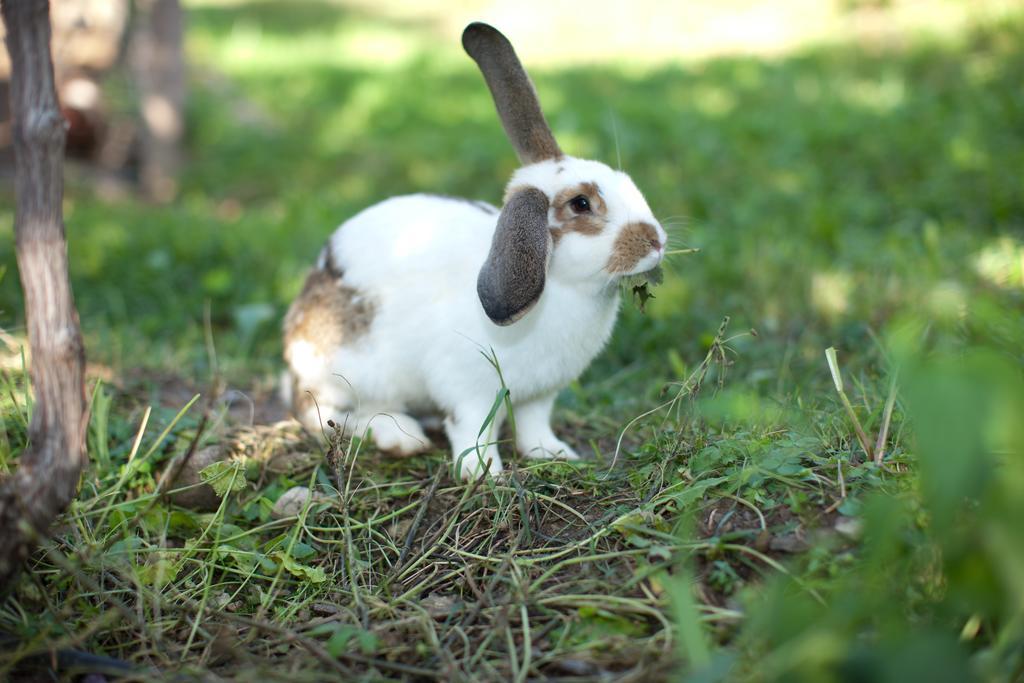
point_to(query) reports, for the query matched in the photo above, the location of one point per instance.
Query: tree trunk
(158, 62)
(48, 470)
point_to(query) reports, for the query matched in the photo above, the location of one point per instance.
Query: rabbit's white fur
(416, 259)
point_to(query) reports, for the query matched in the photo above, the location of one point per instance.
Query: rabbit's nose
(655, 244)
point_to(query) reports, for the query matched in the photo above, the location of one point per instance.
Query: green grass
(864, 199)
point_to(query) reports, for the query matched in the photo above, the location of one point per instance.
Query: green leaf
(301, 551)
(127, 546)
(159, 573)
(246, 561)
(695, 492)
(224, 476)
(692, 642)
(311, 574)
(267, 564)
(785, 461)
(850, 507)
(343, 634)
(641, 285)
(339, 639)
(595, 623)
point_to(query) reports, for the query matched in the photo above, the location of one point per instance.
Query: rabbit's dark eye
(580, 204)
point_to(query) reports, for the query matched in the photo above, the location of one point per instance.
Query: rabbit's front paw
(399, 435)
(552, 449)
(472, 464)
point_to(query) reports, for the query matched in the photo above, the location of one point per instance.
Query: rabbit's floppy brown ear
(512, 278)
(513, 93)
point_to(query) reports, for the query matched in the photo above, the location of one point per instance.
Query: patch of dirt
(258, 404)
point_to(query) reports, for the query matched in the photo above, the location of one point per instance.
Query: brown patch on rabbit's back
(634, 242)
(327, 314)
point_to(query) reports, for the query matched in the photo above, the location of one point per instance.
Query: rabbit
(410, 298)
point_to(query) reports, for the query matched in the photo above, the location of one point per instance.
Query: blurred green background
(829, 184)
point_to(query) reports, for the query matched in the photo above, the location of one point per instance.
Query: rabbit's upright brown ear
(512, 278)
(513, 93)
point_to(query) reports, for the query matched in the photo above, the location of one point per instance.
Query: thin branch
(48, 471)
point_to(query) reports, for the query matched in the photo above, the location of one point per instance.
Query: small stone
(790, 543)
(325, 609)
(438, 606)
(849, 527)
(575, 667)
(198, 495)
(292, 501)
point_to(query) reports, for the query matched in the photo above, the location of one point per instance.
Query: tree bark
(48, 470)
(158, 62)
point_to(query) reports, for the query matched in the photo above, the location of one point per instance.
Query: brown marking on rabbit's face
(579, 208)
(327, 314)
(637, 240)
(599, 223)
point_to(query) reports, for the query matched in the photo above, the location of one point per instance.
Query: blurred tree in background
(120, 76)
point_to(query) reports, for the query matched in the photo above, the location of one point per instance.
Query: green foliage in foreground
(866, 200)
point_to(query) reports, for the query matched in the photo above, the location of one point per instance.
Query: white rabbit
(410, 296)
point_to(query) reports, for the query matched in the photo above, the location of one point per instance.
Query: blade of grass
(883, 432)
(837, 379)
